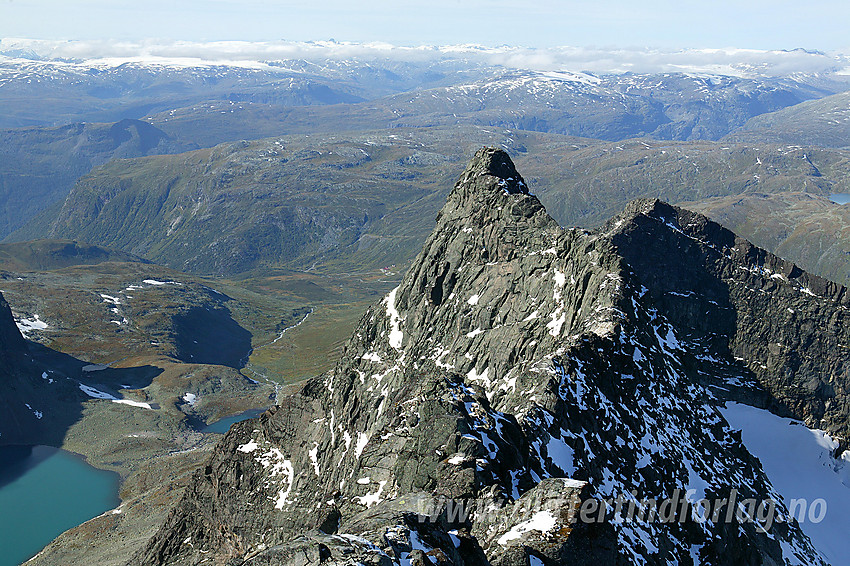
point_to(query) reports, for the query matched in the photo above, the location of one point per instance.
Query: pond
(223, 425)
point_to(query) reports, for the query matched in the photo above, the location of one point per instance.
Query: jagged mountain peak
(515, 352)
(489, 218)
(487, 183)
(497, 163)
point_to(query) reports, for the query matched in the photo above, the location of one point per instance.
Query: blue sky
(758, 24)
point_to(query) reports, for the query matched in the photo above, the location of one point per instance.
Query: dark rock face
(519, 371)
(18, 421)
(11, 341)
(788, 329)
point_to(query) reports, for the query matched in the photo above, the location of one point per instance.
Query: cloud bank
(727, 61)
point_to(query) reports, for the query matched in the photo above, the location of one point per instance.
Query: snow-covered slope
(802, 466)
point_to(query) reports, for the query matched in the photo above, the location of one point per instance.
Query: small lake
(45, 491)
(223, 425)
(840, 198)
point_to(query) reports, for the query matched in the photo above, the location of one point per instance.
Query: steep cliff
(18, 418)
(518, 372)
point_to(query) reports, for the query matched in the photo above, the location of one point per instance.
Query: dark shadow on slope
(147, 136)
(211, 336)
(16, 461)
(41, 397)
(672, 267)
(43, 255)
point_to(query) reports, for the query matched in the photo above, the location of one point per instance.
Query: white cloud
(741, 62)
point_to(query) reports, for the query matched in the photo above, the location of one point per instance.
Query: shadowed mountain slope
(38, 166)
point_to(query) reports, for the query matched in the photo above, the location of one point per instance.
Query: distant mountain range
(37, 92)
(610, 107)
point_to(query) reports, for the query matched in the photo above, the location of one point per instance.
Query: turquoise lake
(44, 492)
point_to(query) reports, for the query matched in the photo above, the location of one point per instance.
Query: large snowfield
(799, 463)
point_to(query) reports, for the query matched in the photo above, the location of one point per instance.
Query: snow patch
(532, 316)
(562, 455)
(362, 441)
(558, 319)
(372, 357)
(276, 465)
(140, 404)
(473, 375)
(26, 325)
(372, 498)
(248, 447)
(799, 463)
(38, 414)
(283, 495)
(92, 392)
(543, 521)
(314, 459)
(396, 335)
(560, 278)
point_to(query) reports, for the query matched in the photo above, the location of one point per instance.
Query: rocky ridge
(521, 369)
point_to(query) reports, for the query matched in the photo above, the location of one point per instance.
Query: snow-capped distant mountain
(607, 106)
(744, 63)
(37, 93)
(51, 83)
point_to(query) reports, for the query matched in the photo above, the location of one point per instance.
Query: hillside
(38, 166)
(293, 202)
(824, 122)
(364, 201)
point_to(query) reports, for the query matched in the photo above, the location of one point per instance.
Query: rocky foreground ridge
(518, 371)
